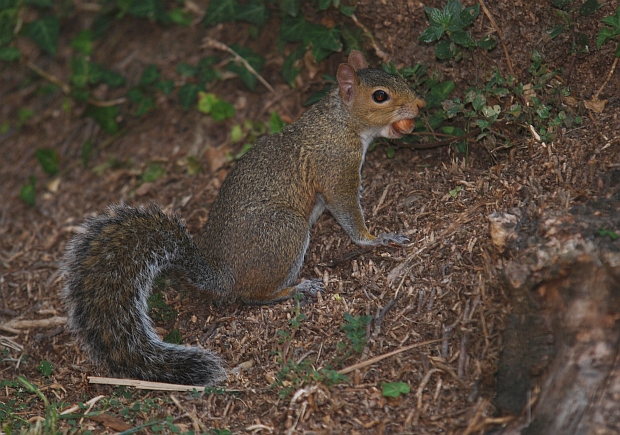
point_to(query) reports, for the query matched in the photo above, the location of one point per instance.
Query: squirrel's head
(383, 103)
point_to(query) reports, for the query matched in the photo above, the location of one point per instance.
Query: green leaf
(48, 159)
(87, 152)
(462, 38)
(145, 103)
(347, 10)
(439, 93)
(445, 50)
(222, 110)
(174, 337)
(294, 29)
(166, 86)
(45, 367)
(390, 152)
(80, 69)
(149, 75)
(255, 60)
(104, 75)
(28, 193)
(186, 70)
(153, 172)
(395, 389)
(437, 17)
(324, 4)
(236, 134)
(589, 7)
(39, 3)
(9, 53)
(23, 115)
(206, 72)
(617, 52)
(83, 42)
(560, 4)
(209, 103)
(611, 234)
(291, 7)
(613, 21)
(188, 94)
(276, 124)
(181, 17)
(487, 43)
(289, 70)
(152, 9)
(431, 34)
(104, 116)
(44, 33)
(469, 14)
(555, 31)
(604, 35)
(254, 11)
(352, 37)
(6, 26)
(220, 11)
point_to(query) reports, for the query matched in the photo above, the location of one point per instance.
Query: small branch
(49, 77)
(371, 361)
(500, 34)
(144, 385)
(611, 71)
(378, 51)
(15, 325)
(210, 42)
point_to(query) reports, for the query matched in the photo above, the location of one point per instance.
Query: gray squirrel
(254, 242)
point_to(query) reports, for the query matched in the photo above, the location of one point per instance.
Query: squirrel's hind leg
(285, 289)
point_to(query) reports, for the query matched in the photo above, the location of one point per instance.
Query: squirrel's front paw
(391, 239)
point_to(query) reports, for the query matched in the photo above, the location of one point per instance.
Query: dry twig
(500, 35)
(213, 43)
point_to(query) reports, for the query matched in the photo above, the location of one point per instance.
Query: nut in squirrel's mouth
(404, 126)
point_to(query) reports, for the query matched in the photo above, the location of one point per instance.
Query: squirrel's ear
(357, 60)
(347, 82)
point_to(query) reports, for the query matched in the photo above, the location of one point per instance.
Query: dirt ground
(443, 288)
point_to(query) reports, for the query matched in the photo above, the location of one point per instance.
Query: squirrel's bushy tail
(109, 269)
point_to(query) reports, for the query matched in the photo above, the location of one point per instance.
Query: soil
(443, 288)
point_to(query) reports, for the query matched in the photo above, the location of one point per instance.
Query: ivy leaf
(255, 60)
(289, 70)
(604, 35)
(104, 116)
(149, 75)
(276, 124)
(45, 367)
(166, 86)
(613, 21)
(254, 11)
(9, 53)
(179, 16)
(152, 9)
(186, 70)
(589, 7)
(291, 7)
(40, 3)
(48, 159)
(188, 94)
(220, 11)
(395, 389)
(28, 192)
(80, 70)
(83, 42)
(44, 33)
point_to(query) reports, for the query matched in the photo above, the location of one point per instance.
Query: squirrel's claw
(392, 239)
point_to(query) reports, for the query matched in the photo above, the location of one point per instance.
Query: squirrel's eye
(380, 96)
